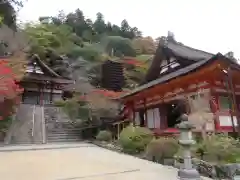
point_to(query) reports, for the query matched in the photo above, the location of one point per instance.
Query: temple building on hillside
(179, 73)
(41, 84)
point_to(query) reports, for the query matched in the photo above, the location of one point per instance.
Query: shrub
(135, 139)
(221, 148)
(88, 53)
(5, 124)
(75, 109)
(59, 103)
(162, 148)
(104, 136)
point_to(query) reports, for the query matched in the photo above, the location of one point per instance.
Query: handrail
(33, 120)
(43, 126)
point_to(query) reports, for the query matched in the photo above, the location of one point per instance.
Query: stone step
(63, 133)
(63, 140)
(69, 137)
(64, 130)
(64, 136)
(27, 143)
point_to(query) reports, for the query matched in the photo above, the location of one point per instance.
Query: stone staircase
(27, 128)
(59, 127)
(39, 133)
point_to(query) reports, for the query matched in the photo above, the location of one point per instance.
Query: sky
(209, 25)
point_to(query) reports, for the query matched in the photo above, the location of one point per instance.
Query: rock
(228, 170)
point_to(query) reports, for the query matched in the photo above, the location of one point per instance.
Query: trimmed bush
(59, 103)
(220, 148)
(104, 136)
(161, 149)
(134, 140)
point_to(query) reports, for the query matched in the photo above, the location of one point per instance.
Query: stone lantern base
(188, 174)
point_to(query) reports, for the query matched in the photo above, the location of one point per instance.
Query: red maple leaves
(9, 90)
(105, 93)
(108, 94)
(133, 61)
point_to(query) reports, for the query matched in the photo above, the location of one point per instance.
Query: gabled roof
(186, 52)
(45, 73)
(45, 68)
(179, 73)
(170, 48)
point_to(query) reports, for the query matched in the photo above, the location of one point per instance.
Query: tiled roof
(44, 66)
(173, 75)
(187, 52)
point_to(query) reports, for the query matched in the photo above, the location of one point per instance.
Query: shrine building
(179, 74)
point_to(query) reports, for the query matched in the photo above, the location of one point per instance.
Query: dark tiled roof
(170, 48)
(173, 75)
(187, 52)
(41, 77)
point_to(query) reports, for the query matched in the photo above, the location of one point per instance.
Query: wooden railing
(43, 126)
(33, 120)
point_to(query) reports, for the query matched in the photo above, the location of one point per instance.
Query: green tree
(8, 11)
(136, 33)
(77, 21)
(119, 46)
(49, 36)
(128, 32)
(99, 25)
(144, 45)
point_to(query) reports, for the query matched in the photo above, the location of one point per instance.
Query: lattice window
(34, 69)
(165, 65)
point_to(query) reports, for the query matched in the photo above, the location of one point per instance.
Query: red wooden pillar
(132, 107)
(163, 117)
(213, 101)
(41, 95)
(214, 108)
(234, 98)
(145, 112)
(51, 93)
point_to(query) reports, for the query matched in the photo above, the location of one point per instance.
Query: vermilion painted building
(179, 72)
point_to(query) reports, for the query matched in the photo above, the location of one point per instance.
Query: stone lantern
(187, 172)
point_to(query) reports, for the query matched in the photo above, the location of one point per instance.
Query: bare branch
(201, 115)
(15, 41)
(14, 44)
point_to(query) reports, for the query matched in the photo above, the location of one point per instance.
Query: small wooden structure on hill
(112, 75)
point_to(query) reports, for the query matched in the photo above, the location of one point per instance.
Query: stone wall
(55, 117)
(21, 129)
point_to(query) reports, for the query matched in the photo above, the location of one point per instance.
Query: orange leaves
(108, 94)
(102, 92)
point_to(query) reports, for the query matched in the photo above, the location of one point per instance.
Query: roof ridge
(199, 50)
(45, 65)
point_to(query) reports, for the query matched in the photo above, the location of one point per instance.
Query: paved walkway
(74, 162)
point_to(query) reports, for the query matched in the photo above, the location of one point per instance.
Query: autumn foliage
(9, 90)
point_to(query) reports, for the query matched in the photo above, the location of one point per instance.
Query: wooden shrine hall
(41, 84)
(180, 73)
